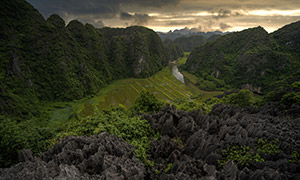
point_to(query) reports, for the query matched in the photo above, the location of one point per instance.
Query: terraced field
(124, 92)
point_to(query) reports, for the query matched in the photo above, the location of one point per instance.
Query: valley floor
(124, 92)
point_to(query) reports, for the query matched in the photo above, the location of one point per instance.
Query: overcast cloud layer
(165, 15)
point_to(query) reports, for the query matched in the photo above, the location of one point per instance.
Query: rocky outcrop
(190, 147)
(205, 136)
(101, 156)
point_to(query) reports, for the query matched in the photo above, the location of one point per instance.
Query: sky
(166, 15)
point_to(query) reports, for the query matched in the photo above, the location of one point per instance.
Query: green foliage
(291, 98)
(296, 85)
(170, 165)
(173, 50)
(295, 156)
(206, 84)
(213, 101)
(210, 83)
(250, 57)
(182, 60)
(146, 102)
(271, 148)
(15, 136)
(189, 43)
(187, 105)
(116, 121)
(179, 141)
(241, 155)
(47, 61)
(287, 90)
(241, 99)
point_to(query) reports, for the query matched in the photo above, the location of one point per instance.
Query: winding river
(176, 72)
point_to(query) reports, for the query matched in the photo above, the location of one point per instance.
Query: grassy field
(124, 92)
(182, 60)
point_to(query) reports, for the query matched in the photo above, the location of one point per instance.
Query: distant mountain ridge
(188, 39)
(187, 32)
(47, 60)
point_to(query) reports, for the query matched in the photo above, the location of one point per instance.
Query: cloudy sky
(165, 15)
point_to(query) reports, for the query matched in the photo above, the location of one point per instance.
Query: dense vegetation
(44, 60)
(125, 123)
(188, 43)
(251, 59)
(15, 136)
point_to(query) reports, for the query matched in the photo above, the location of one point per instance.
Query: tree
(146, 102)
(241, 99)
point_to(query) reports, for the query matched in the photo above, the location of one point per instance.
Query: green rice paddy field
(124, 92)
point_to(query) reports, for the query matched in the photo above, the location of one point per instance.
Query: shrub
(15, 136)
(291, 98)
(170, 165)
(241, 155)
(188, 105)
(146, 103)
(271, 148)
(295, 157)
(241, 99)
(206, 84)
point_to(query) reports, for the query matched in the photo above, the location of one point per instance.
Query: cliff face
(251, 57)
(47, 60)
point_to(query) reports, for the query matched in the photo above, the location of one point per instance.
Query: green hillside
(46, 60)
(251, 58)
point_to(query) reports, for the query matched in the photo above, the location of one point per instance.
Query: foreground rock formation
(205, 136)
(101, 156)
(189, 148)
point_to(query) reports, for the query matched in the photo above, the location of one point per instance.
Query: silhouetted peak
(56, 20)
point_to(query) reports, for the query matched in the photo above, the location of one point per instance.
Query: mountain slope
(189, 43)
(250, 57)
(46, 60)
(289, 37)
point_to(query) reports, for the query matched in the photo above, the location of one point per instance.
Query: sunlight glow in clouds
(275, 12)
(165, 15)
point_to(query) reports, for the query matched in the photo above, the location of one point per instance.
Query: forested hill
(251, 58)
(47, 59)
(190, 42)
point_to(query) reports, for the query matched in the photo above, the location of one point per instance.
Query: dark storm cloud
(138, 19)
(141, 19)
(224, 26)
(90, 20)
(223, 13)
(126, 16)
(105, 8)
(168, 15)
